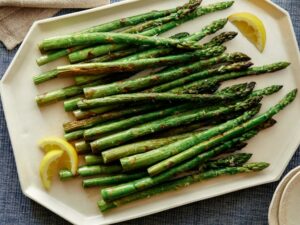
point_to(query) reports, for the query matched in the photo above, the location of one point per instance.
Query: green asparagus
(213, 27)
(167, 123)
(145, 82)
(104, 49)
(110, 26)
(93, 160)
(193, 151)
(92, 121)
(165, 152)
(136, 65)
(209, 72)
(139, 147)
(85, 171)
(181, 183)
(228, 161)
(158, 97)
(233, 75)
(110, 194)
(98, 131)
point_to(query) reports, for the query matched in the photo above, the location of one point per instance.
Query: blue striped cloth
(246, 207)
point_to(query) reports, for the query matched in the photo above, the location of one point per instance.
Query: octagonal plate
(27, 123)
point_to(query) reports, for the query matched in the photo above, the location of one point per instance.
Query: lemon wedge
(251, 27)
(69, 159)
(48, 166)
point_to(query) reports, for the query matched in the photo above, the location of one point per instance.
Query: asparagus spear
(170, 75)
(75, 135)
(112, 180)
(85, 171)
(184, 155)
(111, 67)
(110, 194)
(233, 75)
(228, 161)
(125, 54)
(213, 27)
(93, 160)
(181, 183)
(96, 69)
(61, 94)
(71, 104)
(98, 131)
(157, 97)
(110, 26)
(82, 147)
(86, 123)
(69, 40)
(65, 174)
(140, 147)
(85, 114)
(167, 123)
(209, 72)
(104, 49)
(165, 152)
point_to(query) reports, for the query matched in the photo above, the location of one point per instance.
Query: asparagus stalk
(75, 135)
(164, 138)
(181, 12)
(181, 183)
(82, 147)
(167, 123)
(184, 155)
(113, 193)
(234, 75)
(64, 93)
(140, 147)
(98, 131)
(228, 161)
(93, 160)
(71, 40)
(65, 174)
(157, 97)
(87, 123)
(110, 26)
(130, 21)
(71, 104)
(85, 171)
(209, 72)
(111, 67)
(104, 49)
(146, 54)
(170, 75)
(68, 41)
(137, 52)
(152, 53)
(112, 180)
(165, 152)
(96, 69)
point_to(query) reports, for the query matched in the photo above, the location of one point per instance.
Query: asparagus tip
(256, 166)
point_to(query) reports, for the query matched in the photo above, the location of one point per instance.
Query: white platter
(27, 123)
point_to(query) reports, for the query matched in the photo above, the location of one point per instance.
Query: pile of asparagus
(151, 132)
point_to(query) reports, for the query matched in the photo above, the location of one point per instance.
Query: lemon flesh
(48, 166)
(69, 159)
(251, 27)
